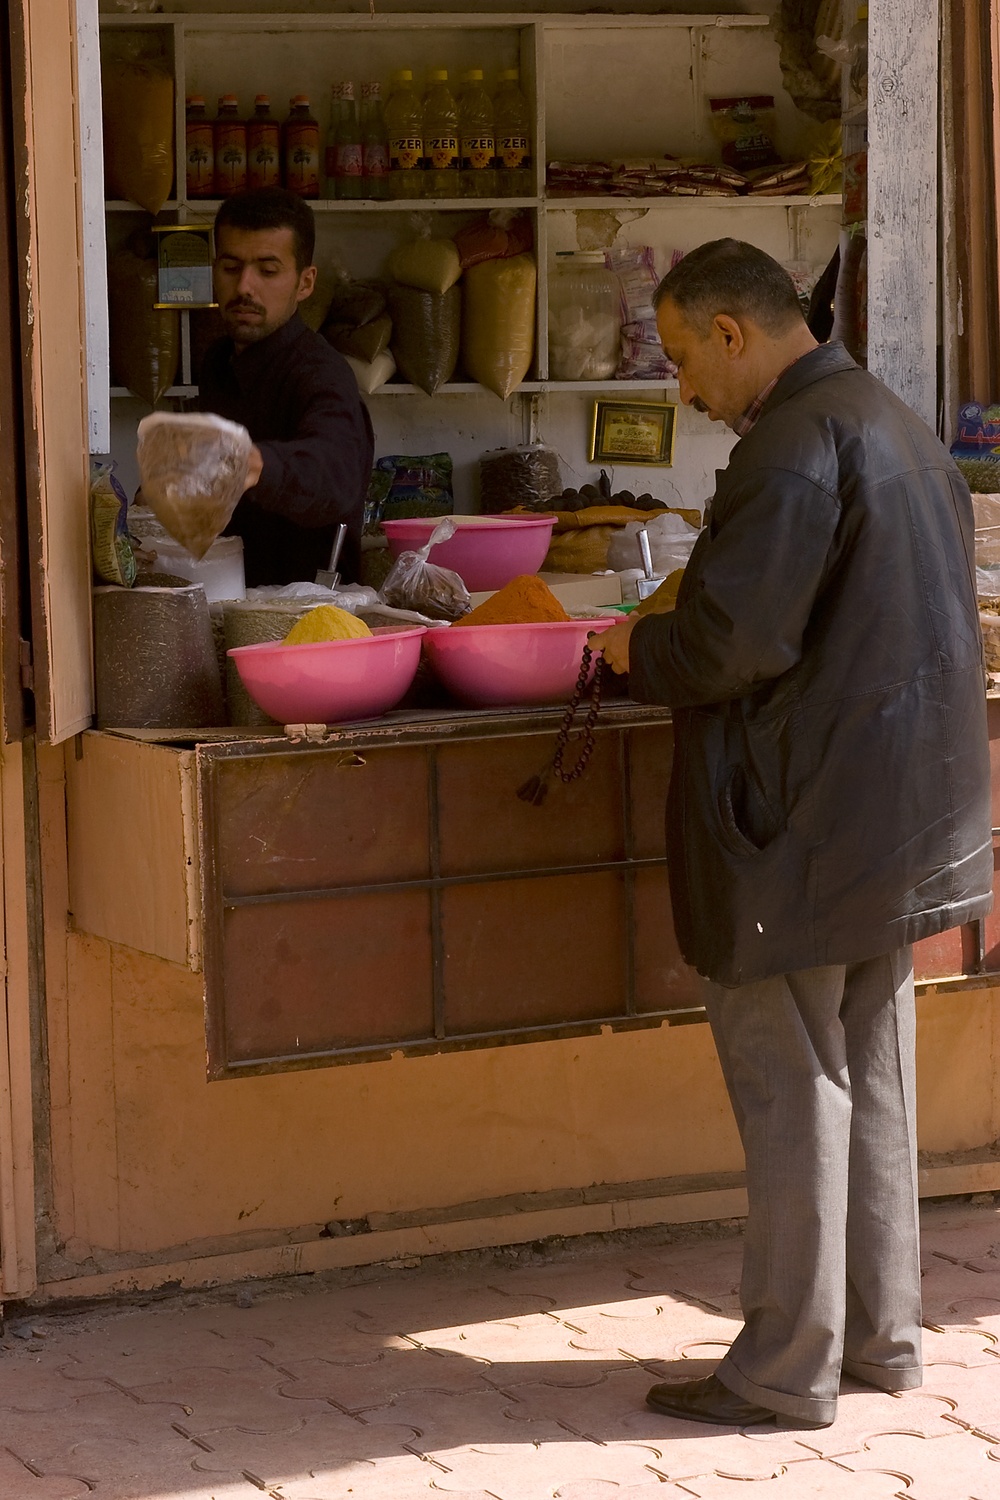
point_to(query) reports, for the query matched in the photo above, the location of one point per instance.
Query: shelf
(678, 200)
(126, 206)
(176, 392)
(210, 206)
(532, 387)
(458, 388)
(371, 205)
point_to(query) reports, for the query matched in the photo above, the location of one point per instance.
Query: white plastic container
(220, 570)
(584, 318)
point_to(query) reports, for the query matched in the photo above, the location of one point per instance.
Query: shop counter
(380, 888)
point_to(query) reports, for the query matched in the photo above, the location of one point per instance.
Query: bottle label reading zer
(478, 152)
(514, 151)
(406, 153)
(442, 152)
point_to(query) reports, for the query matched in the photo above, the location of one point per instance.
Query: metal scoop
(330, 577)
(650, 583)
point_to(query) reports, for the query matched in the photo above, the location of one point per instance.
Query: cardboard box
(576, 590)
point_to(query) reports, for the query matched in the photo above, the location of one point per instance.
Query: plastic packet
(671, 542)
(366, 342)
(744, 125)
(371, 375)
(498, 326)
(498, 235)
(429, 263)
(406, 485)
(193, 469)
(137, 100)
(642, 355)
(416, 583)
(426, 335)
(114, 560)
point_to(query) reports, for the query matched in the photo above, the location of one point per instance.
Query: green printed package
(114, 560)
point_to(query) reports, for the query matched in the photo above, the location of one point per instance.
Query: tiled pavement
(518, 1379)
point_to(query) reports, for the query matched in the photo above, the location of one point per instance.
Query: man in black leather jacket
(828, 806)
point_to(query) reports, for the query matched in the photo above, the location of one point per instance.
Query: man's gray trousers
(820, 1070)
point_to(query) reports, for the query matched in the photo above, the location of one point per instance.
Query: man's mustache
(698, 404)
(247, 302)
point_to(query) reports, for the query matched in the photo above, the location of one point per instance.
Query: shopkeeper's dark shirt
(299, 401)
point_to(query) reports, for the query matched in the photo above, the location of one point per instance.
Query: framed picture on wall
(184, 263)
(633, 432)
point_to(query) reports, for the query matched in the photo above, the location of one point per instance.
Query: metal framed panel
(364, 898)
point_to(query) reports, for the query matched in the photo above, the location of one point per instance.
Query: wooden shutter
(52, 329)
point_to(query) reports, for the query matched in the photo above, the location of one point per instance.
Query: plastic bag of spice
(137, 101)
(429, 263)
(498, 322)
(145, 340)
(193, 469)
(426, 335)
(415, 583)
(498, 235)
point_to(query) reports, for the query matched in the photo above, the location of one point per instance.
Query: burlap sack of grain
(154, 657)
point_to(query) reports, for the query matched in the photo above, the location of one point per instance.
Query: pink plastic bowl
(325, 682)
(487, 665)
(485, 554)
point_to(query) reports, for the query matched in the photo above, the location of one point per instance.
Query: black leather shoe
(709, 1400)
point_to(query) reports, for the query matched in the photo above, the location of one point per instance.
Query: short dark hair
(730, 276)
(272, 208)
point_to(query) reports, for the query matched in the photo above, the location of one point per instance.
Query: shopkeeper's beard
(241, 334)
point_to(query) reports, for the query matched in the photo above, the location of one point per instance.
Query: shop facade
(467, 1023)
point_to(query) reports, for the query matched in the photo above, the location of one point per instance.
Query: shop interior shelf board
(211, 206)
(460, 388)
(679, 200)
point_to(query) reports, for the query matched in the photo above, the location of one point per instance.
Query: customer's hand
(614, 644)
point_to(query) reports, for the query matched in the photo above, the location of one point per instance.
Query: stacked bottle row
(228, 154)
(435, 146)
(472, 146)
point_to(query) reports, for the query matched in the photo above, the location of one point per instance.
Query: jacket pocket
(747, 824)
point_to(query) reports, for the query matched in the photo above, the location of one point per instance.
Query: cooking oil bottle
(477, 141)
(440, 138)
(513, 127)
(405, 131)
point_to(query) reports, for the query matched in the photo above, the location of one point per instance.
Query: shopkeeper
(297, 397)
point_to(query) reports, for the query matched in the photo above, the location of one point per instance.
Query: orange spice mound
(523, 601)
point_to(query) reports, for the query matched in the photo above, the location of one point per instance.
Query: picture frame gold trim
(168, 236)
(634, 432)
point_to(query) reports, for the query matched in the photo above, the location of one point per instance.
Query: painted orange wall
(153, 1158)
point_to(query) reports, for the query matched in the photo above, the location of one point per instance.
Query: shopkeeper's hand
(255, 467)
(614, 644)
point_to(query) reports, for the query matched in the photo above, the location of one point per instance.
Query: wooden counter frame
(162, 860)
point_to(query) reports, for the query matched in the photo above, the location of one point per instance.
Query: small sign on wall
(184, 256)
(633, 432)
